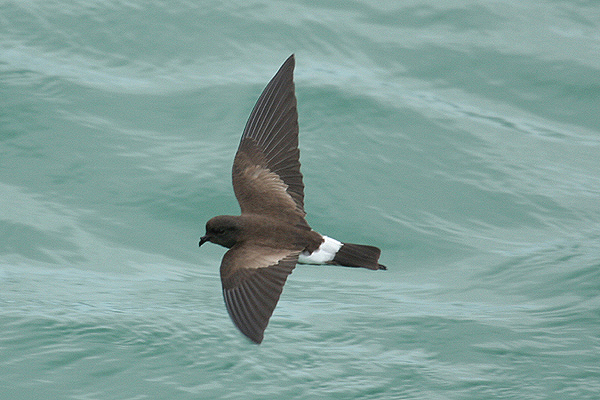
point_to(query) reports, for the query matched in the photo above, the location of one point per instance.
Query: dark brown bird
(271, 234)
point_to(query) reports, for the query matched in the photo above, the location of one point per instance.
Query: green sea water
(460, 137)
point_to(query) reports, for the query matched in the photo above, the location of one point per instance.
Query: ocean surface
(460, 137)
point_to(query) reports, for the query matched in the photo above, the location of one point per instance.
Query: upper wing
(266, 169)
(253, 278)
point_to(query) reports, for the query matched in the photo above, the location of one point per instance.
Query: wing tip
(291, 59)
(288, 64)
(255, 339)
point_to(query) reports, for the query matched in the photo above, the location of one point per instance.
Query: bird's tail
(358, 256)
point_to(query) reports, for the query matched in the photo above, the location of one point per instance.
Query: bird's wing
(253, 278)
(266, 168)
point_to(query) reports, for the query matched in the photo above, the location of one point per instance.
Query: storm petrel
(271, 234)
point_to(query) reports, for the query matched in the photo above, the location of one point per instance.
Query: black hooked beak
(203, 240)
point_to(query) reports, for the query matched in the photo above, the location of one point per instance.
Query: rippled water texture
(460, 137)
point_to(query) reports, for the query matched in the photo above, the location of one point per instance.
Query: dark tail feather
(358, 256)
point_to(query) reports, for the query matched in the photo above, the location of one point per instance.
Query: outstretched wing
(266, 169)
(253, 278)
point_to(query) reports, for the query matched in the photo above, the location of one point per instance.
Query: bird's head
(223, 230)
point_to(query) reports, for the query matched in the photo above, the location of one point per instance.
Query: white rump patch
(325, 253)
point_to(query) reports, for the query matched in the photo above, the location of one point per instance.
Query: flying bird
(271, 235)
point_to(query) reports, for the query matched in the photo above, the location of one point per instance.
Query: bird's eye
(219, 231)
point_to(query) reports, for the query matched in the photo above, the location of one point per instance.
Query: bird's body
(266, 231)
(271, 234)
